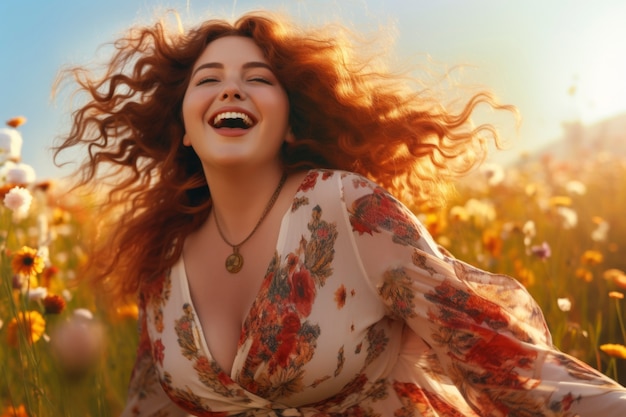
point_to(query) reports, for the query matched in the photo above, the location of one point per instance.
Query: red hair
(344, 113)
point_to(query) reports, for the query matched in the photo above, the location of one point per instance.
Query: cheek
(187, 109)
(194, 104)
(282, 107)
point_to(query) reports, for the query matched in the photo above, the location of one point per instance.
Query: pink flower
(18, 199)
(20, 174)
(542, 251)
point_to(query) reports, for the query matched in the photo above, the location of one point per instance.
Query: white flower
(601, 232)
(20, 174)
(83, 313)
(564, 304)
(576, 187)
(18, 199)
(36, 294)
(569, 216)
(10, 144)
(5, 166)
(481, 211)
(530, 231)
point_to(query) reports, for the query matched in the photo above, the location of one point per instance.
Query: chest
(222, 299)
(299, 313)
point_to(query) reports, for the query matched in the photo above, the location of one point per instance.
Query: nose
(232, 90)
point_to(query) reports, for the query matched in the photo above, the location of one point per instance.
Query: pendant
(234, 262)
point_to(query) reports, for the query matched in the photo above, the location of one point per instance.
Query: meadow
(555, 224)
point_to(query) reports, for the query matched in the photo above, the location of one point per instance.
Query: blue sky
(529, 52)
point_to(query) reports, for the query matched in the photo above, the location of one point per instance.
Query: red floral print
(157, 351)
(422, 333)
(309, 181)
(302, 292)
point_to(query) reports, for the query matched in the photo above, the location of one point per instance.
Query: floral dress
(360, 314)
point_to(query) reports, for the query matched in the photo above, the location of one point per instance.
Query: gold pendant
(234, 262)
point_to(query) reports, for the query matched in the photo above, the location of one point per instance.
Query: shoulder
(329, 180)
(347, 192)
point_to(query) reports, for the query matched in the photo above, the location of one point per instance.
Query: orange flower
(591, 258)
(31, 322)
(435, 223)
(128, 311)
(619, 351)
(617, 295)
(617, 276)
(584, 274)
(492, 242)
(26, 262)
(16, 121)
(597, 220)
(11, 411)
(523, 274)
(48, 274)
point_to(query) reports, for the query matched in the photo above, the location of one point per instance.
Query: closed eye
(207, 80)
(261, 80)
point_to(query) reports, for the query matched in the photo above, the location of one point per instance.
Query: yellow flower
(31, 322)
(591, 257)
(560, 201)
(584, 274)
(617, 295)
(459, 214)
(26, 262)
(11, 411)
(619, 351)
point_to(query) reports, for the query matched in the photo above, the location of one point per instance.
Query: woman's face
(235, 111)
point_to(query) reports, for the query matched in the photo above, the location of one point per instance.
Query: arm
(486, 334)
(145, 394)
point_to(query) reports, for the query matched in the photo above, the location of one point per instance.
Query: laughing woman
(262, 172)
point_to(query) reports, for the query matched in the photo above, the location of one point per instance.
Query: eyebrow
(247, 65)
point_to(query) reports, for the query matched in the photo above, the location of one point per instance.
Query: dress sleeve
(487, 337)
(145, 394)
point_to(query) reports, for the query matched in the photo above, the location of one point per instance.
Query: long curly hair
(345, 113)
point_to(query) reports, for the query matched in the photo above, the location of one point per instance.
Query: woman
(276, 273)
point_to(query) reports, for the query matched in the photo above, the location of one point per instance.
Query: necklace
(234, 261)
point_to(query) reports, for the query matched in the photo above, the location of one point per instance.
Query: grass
(554, 225)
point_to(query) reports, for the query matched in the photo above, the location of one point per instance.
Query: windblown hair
(345, 113)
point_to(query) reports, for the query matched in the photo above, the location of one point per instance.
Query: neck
(240, 198)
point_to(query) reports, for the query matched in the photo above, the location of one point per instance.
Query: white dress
(360, 314)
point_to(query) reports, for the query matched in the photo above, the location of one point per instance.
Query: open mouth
(232, 120)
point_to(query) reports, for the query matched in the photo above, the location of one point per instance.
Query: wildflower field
(554, 224)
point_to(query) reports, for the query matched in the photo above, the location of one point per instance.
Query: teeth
(233, 115)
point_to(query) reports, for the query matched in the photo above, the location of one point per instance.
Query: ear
(186, 140)
(290, 137)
